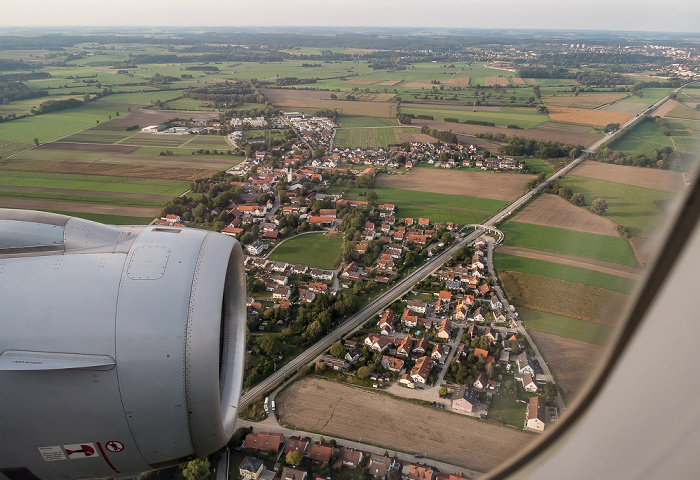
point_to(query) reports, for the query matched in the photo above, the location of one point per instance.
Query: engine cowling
(122, 348)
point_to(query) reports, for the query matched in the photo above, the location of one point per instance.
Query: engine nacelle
(122, 348)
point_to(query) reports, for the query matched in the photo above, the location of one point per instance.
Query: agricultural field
(374, 137)
(633, 207)
(566, 327)
(685, 112)
(383, 422)
(652, 178)
(560, 297)
(504, 116)
(582, 244)
(643, 140)
(312, 100)
(489, 185)
(582, 100)
(554, 211)
(587, 117)
(346, 121)
(570, 273)
(312, 249)
(571, 361)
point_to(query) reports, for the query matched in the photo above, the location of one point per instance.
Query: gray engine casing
(122, 348)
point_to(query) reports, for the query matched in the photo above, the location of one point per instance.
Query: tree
(268, 344)
(599, 206)
(338, 350)
(36, 141)
(293, 458)
(577, 199)
(550, 392)
(199, 469)
(363, 372)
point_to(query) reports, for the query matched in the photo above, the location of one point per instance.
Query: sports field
(312, 249)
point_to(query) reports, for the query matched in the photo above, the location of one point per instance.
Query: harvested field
(147, 116)
(88, 147)
(624, 271)
(530, 81)
(564, 298)
(359, 81)
(458, 81)
(416, 137)
(664, 109)
(389, 83)
(549, 131)
(136, 171)
(519, 81)
(501, 81)
(572, 361)
(653, 178)
(473, 444)
(417, 84)
(477, 184)
(632, 108)
(583, 100)
(587, 117)
(313, 100)
(78, 207)
(554, 211)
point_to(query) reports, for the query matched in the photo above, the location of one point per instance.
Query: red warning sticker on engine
(81, 450)
(52, 454)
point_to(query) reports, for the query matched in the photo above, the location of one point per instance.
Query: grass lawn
(583, 244)
(505, 405)
(566, 326)
(633, 207)
(563, 272)
(313, 249)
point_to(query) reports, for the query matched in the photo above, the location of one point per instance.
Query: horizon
(646, 16)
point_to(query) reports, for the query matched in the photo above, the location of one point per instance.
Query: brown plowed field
(573, 261)
(458, 81)
(502, 81)
(519, 81)
(663, 110)
(587, 117)
(331, 408)
(554, 211)
(571, 361)
(78, 207)
(313, 99)
(550, 131)
(564, 298)
(146, 117)
(88, 147)
(653, 178)
(390, 83)
(138, 171)
(475, 184)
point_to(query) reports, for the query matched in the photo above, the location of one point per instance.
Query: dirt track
(574, 261)
(554, 211)
(496, 186)
(331, 408)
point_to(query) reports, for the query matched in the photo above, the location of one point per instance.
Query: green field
(566, 326)
(633, 207)
(649, 95)
(349, 121)
(537, 165)
(107, 219)
(313, 249)
(94, 183)
(525, 118)
(509, 407)
(82, 198)
(583, 244)
(541, 268)
(643, 140)
(441, 215)
(374, 137)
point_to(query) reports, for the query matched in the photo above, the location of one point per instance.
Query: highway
(432, 265)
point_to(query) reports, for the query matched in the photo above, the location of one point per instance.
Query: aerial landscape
(442, 228)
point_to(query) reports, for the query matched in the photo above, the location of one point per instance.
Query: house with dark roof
(464, 399)
(251, 468)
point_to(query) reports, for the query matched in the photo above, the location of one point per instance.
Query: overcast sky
(649, 15)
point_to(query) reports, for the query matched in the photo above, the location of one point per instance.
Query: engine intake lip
(216, 316)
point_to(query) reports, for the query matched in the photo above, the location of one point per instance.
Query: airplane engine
(122, 348)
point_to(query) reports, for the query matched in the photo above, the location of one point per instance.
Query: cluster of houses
(317, 132)
(337, 457)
